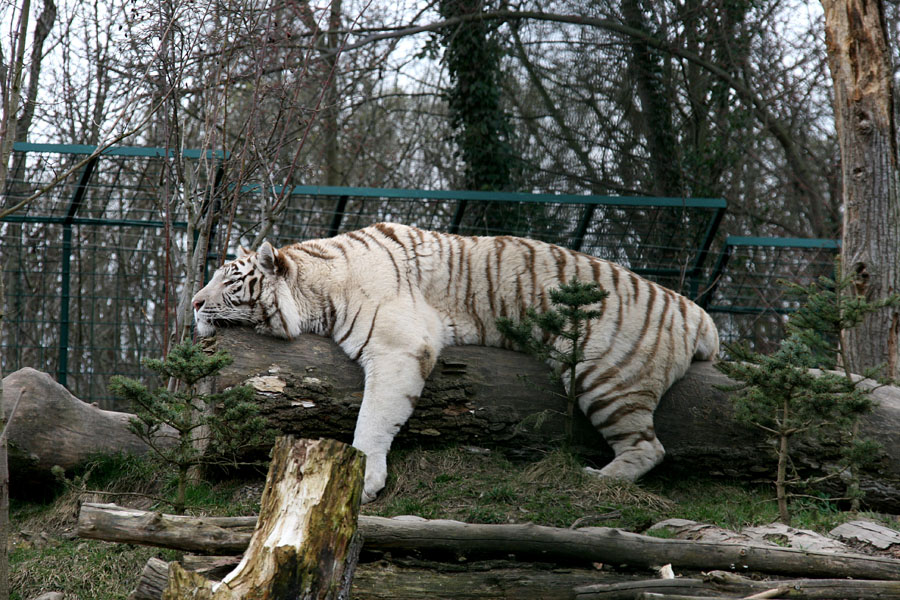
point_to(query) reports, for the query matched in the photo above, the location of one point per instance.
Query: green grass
(79, 569)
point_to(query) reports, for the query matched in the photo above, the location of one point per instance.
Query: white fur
(394, 296)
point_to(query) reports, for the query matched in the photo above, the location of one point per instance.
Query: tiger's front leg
(394, 382)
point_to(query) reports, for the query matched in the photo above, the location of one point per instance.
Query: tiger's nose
(198, 303)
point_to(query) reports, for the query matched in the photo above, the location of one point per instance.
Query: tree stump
(305, 544)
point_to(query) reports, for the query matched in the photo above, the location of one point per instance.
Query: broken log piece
(548, 544)
(868, 534)
(305, 544)
(211, 567)
(155, 576)
(388, 581)
(52, 427)
(153, 581)
(783, 535)
(718, 583)
(489, 396)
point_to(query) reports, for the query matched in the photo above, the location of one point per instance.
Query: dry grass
(474, 485)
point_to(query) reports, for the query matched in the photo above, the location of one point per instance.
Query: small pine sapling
(537, 332)
(781, 395)
(180, 412)
(786, 396)
(829, 307)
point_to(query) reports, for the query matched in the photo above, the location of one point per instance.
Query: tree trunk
(463, 541)
(860, 61)
(305, 543)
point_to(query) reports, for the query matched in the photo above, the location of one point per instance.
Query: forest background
(706, 99)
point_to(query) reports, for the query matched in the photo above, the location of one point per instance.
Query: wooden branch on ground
(585, 546)
(721, 584)
(210, 535)
(389, 581)
(305, 544)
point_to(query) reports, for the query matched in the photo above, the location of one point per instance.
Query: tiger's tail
(707, 339)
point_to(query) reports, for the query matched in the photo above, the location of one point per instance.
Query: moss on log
(305, 544)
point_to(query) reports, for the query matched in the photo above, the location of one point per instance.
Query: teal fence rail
(89, 267)
(667, 239)
(744, 293)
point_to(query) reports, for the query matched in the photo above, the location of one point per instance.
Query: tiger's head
(251, 290)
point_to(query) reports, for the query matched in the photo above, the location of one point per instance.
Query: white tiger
(393, 296)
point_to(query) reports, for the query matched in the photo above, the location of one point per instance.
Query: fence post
(458, 216)
(65, 294)
(586, 217)
(338, 216)
(697, 270)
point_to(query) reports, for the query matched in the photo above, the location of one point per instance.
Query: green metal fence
(84, 265)
(744, 293)
(89, 279)
(667, 239)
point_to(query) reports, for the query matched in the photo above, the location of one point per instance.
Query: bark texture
(305, 544)
(479, 581)
(492, 397)
(860, 61)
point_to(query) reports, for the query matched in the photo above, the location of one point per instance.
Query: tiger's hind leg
(627, 426)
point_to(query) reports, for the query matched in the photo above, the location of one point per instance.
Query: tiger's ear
(242, 252)
(271, 261)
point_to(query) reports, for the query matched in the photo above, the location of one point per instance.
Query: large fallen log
(52, 427)
(481, 396)
(484, 396)
(305, 544)
(387, 581)
(463, 540)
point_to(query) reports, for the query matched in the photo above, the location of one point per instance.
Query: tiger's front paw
(376, 475)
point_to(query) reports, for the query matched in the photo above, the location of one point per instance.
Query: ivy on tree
(482, 131)
(785, 395)
(537, 333)
(233, 426)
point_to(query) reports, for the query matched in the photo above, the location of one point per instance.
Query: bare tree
(859, 56)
